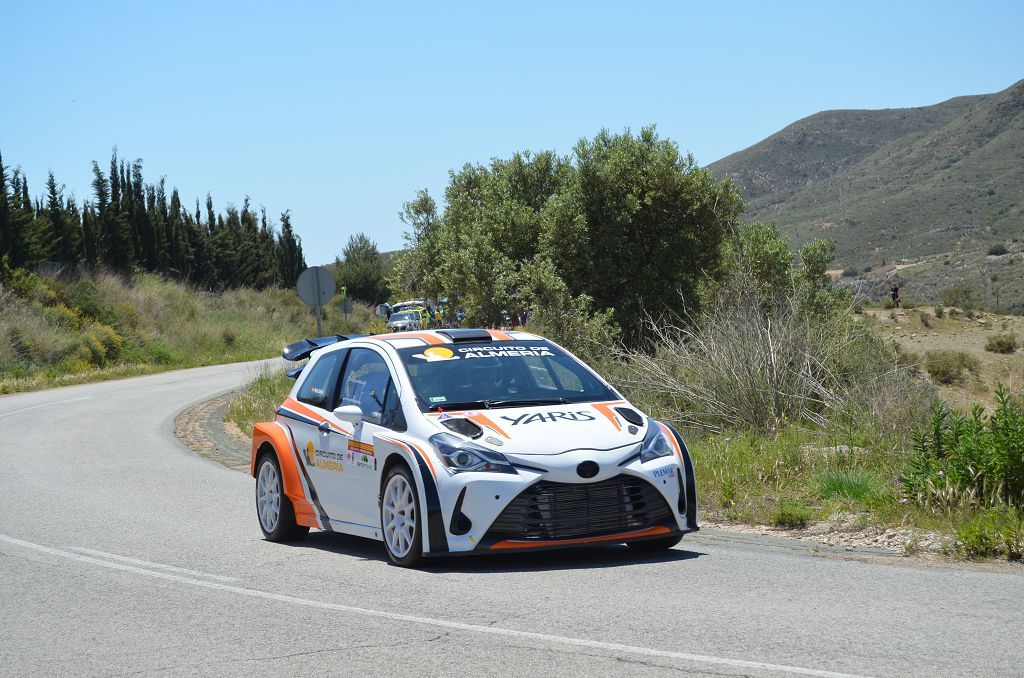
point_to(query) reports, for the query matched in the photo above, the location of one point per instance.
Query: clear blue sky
(341, 112)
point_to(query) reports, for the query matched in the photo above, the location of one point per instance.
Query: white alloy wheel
(399, 516)
(268, 496)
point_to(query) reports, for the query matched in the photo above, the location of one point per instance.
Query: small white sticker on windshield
(438, 399)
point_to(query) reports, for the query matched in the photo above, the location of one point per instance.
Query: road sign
(316, 287)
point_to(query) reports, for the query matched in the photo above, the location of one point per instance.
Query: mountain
(893, 184)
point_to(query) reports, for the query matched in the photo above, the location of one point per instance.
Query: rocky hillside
(896, 183)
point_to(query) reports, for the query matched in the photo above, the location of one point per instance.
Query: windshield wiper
(468, 405)
(491, 404)
(528, 402)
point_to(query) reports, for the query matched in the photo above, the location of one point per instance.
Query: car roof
(398, 340)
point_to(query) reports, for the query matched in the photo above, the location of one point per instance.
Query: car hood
(551, 429)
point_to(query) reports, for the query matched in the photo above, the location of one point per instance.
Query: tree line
(128, 225)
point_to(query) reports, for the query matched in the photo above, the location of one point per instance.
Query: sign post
(316, 287)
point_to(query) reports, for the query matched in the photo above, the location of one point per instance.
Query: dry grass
(55, 332)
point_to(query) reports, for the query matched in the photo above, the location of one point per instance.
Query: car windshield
(505, 374)
(408, 315)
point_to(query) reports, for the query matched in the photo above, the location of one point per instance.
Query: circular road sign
(315, 286)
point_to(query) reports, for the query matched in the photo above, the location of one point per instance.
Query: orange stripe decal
(293, 404)
(606, 410)
(625, 536)
(484, 420)
(498, 335)
(409, 447)
(672, 440)
(426, 457)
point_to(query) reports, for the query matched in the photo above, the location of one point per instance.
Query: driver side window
(366, 383)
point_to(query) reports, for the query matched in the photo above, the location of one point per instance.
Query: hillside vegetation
(892, 184)
(61, 331)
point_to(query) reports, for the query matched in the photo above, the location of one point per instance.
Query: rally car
(465, 441)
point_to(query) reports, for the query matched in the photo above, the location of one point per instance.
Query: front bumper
(497, 513)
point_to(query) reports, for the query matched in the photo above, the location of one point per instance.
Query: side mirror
(349, 413)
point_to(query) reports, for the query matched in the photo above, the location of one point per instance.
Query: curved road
(122, 552)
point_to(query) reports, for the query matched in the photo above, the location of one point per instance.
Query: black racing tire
(659, 544)
(405, 550)
(270, 484)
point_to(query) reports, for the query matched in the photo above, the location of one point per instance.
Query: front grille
(549, 510)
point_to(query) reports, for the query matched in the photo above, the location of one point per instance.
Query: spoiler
(301, 349)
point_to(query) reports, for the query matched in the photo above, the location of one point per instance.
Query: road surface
(121, 552)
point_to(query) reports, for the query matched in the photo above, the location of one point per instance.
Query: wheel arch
(271, 437)
(689, 482)
(435, 539)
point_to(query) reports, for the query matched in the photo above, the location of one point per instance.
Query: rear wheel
(273, 508)
(659, 544)
(400, 518)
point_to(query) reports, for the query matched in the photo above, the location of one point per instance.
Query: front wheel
(400, 518)
(273, 508)
(659, 544)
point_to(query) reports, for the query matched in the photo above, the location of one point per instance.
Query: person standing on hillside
(895, 295)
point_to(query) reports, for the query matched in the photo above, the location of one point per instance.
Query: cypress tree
(6, 226)
(61, 243)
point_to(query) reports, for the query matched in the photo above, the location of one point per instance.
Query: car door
(321, 440)
(368, 383)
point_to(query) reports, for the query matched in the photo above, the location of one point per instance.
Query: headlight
(461, 455)
(655, 444)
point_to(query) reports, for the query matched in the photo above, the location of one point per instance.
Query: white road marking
(36, 407)
(151, 564)
(429, 621)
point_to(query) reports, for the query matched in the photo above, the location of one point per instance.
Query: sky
(341, 111)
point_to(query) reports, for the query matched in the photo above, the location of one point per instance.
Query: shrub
(960, 296)
(867, 269)
(926, 319)
(855, 484)
(850, 273)
(790, 513)
(757, 363)
(995, 532)
(950, 367)
(100, 345)
(21, 343)
(976, 459)
(86, 298)
(228, 336)
(160, 353)
(997, 250)
(1004, 342)
(940, 311)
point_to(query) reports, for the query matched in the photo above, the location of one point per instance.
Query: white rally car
(466, 441)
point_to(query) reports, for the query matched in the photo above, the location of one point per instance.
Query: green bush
(100, 345)
(997, 250)
(86, 298)
(950, 367)
(960, 296)
(1004, 342)
(995, 532)
(850, 273)
(854, 484)
(972, 460)
(790, 513)
(940, 311)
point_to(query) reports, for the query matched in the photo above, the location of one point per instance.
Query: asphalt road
(122, 552)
